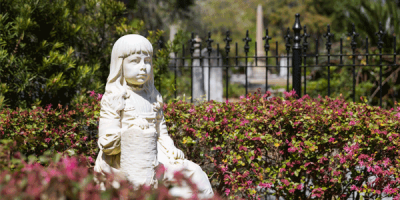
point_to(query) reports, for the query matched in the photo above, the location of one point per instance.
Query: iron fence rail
(297, 51)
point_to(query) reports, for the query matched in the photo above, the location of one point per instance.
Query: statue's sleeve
(163, 138)
(109, 129)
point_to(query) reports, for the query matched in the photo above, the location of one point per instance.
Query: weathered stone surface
(133, 136)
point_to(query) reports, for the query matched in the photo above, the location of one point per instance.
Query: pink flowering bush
(59, 129)
(66, 177)
(283, 146)
(289, 146)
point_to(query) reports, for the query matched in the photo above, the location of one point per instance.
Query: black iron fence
(302, 59)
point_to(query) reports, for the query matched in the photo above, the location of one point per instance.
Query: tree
(366, 15)
(52, 51)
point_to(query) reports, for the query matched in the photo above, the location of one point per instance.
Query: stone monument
(258, 72)
(202, 64)
(133, 136)
(197, 72)
(215, 75)
(284, 63)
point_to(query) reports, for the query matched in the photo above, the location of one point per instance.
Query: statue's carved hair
(116, 86)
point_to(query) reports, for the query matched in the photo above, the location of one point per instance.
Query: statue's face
(137, 68)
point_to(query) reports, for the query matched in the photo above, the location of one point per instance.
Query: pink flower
(352, 123)
(47, 140)
(224, 169)
(265, 185)
(292, 149)
(282, 170)
(243, 148)
(289, 94)
(331, 139)
(241, 97)
(70, 164)
(244, 121)
(291, 190)
(227, 191)
(300, 187)
(353, 187)
(208, 109)
(205, 118)
(99, 97)
(48, 107)
(271, 107)
(286, 182)
(92, 93)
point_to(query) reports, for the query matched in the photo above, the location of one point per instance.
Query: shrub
(259, 145)
(68, 177)
(288, 146)
(59, 129)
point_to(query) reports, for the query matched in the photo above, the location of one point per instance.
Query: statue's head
(131, 64)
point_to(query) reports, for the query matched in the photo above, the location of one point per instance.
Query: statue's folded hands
(141, 123)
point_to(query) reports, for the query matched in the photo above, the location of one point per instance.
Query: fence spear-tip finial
(328, 35)
(209, 41)
(353, 34)
(227, 40)
(305, 36)
(297, 25)
(287, 39)
(247, 40)
(266, 38)
(192, 41)
(380, 35)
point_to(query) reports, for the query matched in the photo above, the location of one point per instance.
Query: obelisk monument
(259, 71)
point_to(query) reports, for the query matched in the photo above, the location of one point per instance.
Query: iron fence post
(296, 59)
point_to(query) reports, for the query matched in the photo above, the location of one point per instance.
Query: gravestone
(216, 86)
(197, 72)
(200, 77)
(283, 71)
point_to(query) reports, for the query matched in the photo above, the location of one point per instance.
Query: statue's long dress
(140, 112)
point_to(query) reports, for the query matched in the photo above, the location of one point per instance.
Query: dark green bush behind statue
(50, 51)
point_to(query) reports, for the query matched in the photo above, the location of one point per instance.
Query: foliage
(159, 14)
(64, 177)
(239, 16)
(59, 129)
(366, 16)
(328, 147)
(50, 51)
(164, 69)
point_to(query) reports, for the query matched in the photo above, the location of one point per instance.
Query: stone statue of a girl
(133, 137)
